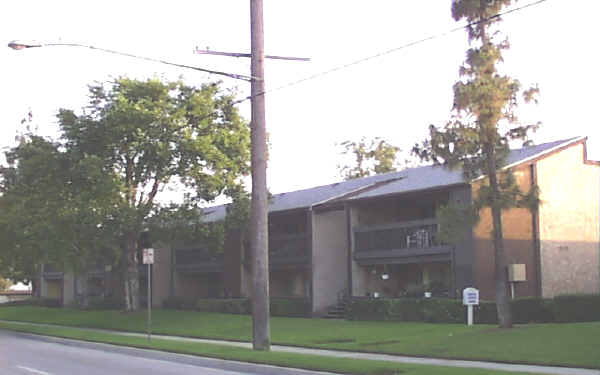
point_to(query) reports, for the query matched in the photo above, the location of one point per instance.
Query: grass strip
(301, 361)
(565, 344)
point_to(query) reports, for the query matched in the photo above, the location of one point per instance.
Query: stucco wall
(360, 275)
(161, 276)
(193, 286)
(288, 283)
(519, 245)
(330, 258)
(568, 219)
(68, 289)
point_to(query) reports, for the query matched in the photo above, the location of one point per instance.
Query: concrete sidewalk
(357, 355)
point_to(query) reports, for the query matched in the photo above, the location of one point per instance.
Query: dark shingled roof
(411, 179)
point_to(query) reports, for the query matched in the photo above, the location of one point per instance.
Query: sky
(395, 97)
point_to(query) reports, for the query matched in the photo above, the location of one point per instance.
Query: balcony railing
(51, 271)
(407, 235)
(288, 248)
(198, 260)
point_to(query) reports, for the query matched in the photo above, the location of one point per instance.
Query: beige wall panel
(569, 223)
(161, 276)
(330, 258)
(517, 226)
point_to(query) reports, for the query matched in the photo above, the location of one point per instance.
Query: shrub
(293, 307)
(485, 313)
(367, 309)
(47, 302)
(104, 303)
(532, 310)
(440, 310)
(577, 308)
(230, 306)
(403, 309)
(179, 303)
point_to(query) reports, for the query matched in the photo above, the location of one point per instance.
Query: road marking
(34, 370)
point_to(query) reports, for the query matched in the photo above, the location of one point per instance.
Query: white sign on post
(148, 256)
(470, 298)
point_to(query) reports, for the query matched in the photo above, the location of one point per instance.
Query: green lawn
(574, 344)
(309, 362)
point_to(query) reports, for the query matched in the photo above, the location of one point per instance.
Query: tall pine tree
(482, 126)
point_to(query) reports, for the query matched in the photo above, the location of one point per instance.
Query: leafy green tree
(54, 208)
(370, 157)
(483, 125)
(5, 284)
(150, 133)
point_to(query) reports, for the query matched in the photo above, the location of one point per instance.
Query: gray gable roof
(411, 179)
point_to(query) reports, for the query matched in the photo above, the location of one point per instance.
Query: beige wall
(53, 289)
(193, 286)
(568, 219)
(360, 275)
(519, 245)
(288, 283)
(330, 258)
(161, 276)
(68, 288)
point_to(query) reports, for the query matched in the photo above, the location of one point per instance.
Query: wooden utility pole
(261, 338)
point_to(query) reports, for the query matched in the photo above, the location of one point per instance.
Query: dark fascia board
(408, 194)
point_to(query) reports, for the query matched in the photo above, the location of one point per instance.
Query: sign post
(470, 298)
(148, 260)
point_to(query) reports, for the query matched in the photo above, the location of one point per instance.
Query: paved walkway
(369, 356)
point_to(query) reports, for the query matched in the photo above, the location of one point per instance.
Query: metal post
(470, 315)
(149, 303)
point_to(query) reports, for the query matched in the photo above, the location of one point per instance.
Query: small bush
(577, 308)
(230, 306)
(532, 310)
(179, 303)
(47, 302)
(403, 309)
(292, 307)
(367, 309)
(439, 310)
(104, 303)
(485, 313)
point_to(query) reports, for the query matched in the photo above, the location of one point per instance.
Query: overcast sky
(396, 96)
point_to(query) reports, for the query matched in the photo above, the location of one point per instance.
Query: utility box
(516, 272)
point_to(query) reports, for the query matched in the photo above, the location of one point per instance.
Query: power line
(389, 51)
(17, 45)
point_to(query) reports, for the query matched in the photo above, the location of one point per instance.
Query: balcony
(288, 249)
(198, 261)
(404, 242)
(52, 272)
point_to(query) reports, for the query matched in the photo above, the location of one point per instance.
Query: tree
(483, 125)
(5, 284)
(150, 133)
(54, 209)
(371, 157)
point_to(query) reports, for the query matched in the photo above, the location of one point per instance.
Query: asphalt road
(23, 354)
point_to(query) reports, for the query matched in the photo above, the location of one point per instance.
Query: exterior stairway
(339, 310)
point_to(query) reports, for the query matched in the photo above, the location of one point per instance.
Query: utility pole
(261, 337)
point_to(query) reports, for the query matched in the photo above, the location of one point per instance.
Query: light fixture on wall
(385, 275)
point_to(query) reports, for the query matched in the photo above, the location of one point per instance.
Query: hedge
(577, 308)
(293, 307)
(566, 308)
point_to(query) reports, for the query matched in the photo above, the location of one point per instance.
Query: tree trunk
(259, 215)
(500, 279)
(131, 274)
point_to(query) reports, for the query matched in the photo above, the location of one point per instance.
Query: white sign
(148, 256)
(470, 296)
